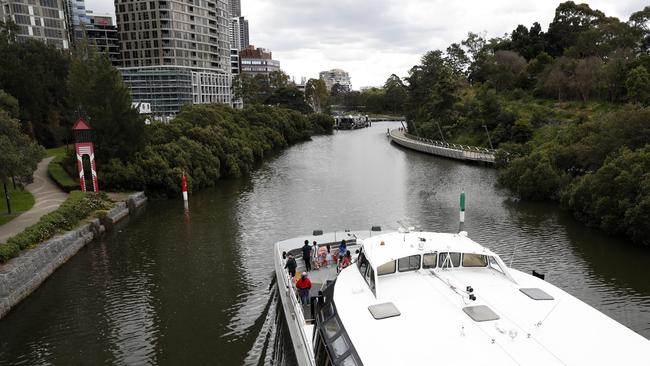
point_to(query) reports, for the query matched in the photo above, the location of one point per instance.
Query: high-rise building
(44, 20)
(239, 33)
(175, 52)
(101, 34)
(336, 76)
(257, 61)
(77, 11)
(235, 8)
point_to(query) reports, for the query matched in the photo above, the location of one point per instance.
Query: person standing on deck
(304, 285)
(343, 248)
(314, 254)
(291, 266)
(306, 255)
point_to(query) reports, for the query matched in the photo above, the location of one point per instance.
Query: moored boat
(413, 297)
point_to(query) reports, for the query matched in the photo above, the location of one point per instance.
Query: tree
(558, 77)
(638, 85)
(278, 79)
(640, 23)
(457, 59)
(9, 104)
(528, 43)
(97, 93)
(289, 97)
(570, 21)
(432, 92)
(615, 73)
(507, 69)
(20, 154)
(35, 74)
(395, 94)
(316, 94)
(257, 88)
(587, 76)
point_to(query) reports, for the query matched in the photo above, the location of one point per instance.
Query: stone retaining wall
(24, 274)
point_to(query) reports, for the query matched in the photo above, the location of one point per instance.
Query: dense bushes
(598, 169)
(209, 141)
(60, 176)
(78, 206)
(616, 197)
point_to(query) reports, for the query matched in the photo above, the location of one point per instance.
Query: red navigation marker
(184, 187)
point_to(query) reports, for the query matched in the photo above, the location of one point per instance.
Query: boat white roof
(398, 245)
(433, 327)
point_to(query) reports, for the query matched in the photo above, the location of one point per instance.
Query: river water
(174, 288)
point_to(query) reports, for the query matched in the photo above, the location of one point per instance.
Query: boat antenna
(461, 225)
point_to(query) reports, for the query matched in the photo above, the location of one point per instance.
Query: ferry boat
(424, 298)
(351, 122)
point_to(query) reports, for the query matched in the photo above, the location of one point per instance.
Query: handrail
(450, 145)
(297, 309)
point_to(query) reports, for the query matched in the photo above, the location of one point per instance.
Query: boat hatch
(536, 294)
(480, 313)
(383, 311)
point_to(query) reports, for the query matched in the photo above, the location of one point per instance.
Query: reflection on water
(198, 288)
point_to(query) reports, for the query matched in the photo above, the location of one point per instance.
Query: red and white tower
(85, 156)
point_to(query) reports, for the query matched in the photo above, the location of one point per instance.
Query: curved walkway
(452, 151)
(47, 198)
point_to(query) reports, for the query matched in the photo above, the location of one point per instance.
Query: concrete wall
(24, 274)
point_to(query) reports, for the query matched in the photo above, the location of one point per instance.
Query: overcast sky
(372, 39)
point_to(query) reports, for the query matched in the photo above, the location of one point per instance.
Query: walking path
(441, 148)
(47, 198)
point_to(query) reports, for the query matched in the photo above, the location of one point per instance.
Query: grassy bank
(57, 172)
(21, 201)
(69, 215)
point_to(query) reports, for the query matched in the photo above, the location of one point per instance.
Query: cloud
(372, 39)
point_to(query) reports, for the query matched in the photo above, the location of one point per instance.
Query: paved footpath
(47, 198)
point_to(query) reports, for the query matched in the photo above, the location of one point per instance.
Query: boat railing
(297, 314)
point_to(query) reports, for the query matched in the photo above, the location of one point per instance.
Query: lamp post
(488, 136)
(440, 130)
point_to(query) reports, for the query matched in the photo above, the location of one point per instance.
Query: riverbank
(176, 287)
(22, 275)
(207, 142)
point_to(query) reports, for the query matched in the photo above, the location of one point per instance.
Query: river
(173, 288)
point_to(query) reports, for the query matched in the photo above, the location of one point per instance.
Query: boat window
(327, 311)
(495, 265)
(410, 263)
(446, 260)
(331, 327)
(474, 260)
(370, 279)
(340, 346)
(362, 262)
(429, 260)
(322, 357)
(386, 268)
(349, 361)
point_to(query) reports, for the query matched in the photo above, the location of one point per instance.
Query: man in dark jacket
(291, 266)
(306, 255)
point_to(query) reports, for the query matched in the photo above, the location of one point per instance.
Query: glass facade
(167, 89)
(44, 20)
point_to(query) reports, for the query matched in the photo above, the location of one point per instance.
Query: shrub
(77, 207)
(208, 142)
